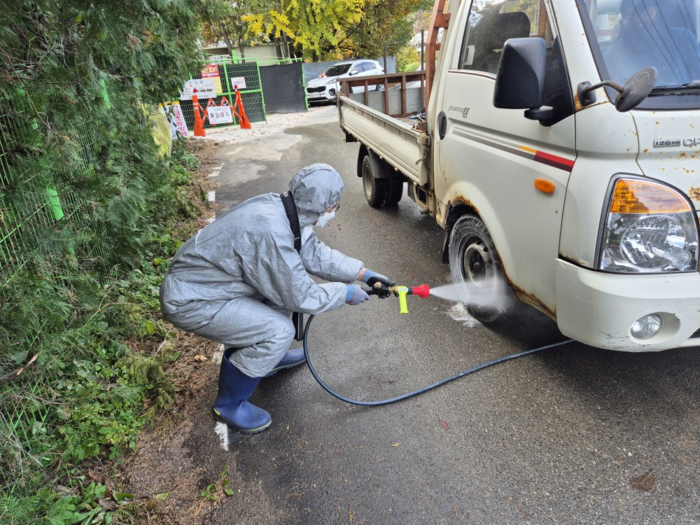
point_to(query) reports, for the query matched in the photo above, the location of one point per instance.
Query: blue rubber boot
(293, 357)
(231, 405)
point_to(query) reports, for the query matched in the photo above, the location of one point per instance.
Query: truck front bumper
(600, 308)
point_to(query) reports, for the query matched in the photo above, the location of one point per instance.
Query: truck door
(490, 158)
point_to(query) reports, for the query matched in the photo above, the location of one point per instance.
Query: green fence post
(262, 93)
(105, 94)
(51, 193)
(55, 202)
(227, 89)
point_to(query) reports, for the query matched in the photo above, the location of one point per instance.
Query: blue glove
(355, 295)
(371, 277)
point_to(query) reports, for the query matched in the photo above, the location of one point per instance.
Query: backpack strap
(291, 210)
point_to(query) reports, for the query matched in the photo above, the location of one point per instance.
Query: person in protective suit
(237, 280)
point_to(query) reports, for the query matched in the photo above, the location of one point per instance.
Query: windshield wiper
(690, 88)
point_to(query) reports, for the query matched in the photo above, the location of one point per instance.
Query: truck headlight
(649, 228)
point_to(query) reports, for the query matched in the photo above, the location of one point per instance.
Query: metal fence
(251, 95)
(36, 209)
(24, 219)
(283, 84)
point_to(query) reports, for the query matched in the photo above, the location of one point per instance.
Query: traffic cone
(239, 111)
(198, 121)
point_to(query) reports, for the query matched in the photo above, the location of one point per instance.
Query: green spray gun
(382, 290)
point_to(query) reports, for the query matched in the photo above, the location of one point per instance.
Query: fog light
(647, 326)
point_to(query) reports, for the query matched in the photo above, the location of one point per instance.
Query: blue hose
(424, 389)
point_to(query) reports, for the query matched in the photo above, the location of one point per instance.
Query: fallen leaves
(645, 482)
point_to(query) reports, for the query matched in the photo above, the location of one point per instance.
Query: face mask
(325, 218)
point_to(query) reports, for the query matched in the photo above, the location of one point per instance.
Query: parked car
(325, 87)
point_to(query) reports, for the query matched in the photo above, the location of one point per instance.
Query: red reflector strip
(554, 161)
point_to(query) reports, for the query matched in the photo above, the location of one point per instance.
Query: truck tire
(375, 189)
(394, 191)
(475, 262)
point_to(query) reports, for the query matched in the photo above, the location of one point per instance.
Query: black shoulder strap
(291, 211)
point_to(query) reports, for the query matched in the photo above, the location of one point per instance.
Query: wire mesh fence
(227, 75)
(19, 225)
(32, 211)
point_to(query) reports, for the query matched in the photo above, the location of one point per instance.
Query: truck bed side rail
(392, 83)
(396, 142)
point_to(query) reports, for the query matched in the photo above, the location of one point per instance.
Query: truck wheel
(475, 262)
(394, 191)
(375, 189)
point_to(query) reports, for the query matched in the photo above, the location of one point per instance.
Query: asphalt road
(556, 437)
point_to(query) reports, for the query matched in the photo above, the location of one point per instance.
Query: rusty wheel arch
(363, 151)
(456, 209)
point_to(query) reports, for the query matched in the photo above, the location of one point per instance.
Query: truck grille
(315, 89)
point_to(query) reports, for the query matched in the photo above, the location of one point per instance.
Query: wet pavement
(568, 435)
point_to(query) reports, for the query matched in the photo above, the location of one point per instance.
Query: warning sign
(176, 119)
(220, 115)
(211, 71)
(205, 88)
(238, 83)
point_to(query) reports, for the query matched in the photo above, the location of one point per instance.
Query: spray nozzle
(382, 290)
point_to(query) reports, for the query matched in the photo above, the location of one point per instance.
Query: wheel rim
(477, 265)
(479, 271)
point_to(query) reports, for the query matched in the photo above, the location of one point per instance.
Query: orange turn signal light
(641, 196)
(544, 185)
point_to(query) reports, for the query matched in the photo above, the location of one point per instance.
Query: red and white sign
(177, 120)
(211, 71)
(238, 83)
(203, 88)
(220, 115)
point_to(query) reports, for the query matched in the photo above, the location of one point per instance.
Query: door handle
(442, 125)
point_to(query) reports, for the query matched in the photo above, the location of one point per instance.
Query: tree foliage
(224, 21)
(385, 23)
(334, 29)
(77, 79)
(315, 26)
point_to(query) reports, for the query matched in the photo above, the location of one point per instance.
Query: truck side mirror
(520, 77)
(634, 92)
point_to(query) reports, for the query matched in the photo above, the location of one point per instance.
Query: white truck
(561, 154)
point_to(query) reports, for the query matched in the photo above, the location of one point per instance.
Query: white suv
(325, 87)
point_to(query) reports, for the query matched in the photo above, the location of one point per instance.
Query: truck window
(489, 25)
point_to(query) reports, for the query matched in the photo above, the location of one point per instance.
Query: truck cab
(563, 164)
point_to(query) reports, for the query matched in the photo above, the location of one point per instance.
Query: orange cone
(239, 111)
(198, 121)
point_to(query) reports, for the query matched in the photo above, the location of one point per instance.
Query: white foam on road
(216, 171)
(459, 312)
(218, 355)
(222, 431)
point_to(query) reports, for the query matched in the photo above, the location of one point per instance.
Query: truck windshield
(629, 35)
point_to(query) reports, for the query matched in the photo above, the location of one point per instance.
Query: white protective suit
(239, 278)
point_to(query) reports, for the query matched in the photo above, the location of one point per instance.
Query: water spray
(382, 291)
